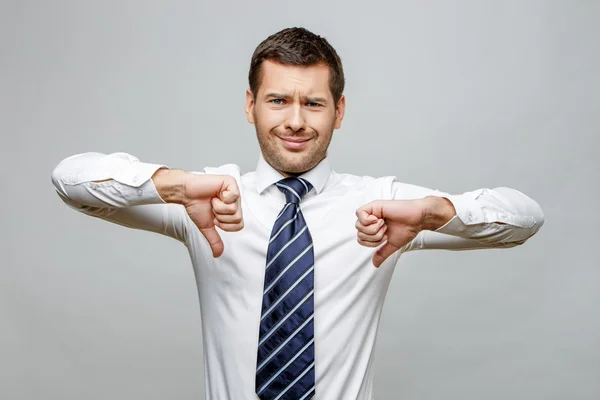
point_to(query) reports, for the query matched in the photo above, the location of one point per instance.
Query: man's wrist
(437, 212)
(170, 184)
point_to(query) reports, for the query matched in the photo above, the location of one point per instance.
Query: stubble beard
(277, 159)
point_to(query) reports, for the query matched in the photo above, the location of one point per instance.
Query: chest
(341, 264)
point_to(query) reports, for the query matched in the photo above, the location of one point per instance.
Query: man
(285, 256)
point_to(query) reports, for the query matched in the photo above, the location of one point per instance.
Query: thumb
(383, 253)
(214, 240)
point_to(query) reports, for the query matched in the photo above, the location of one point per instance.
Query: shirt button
(139, 192)
(134, 179)
(470, 218)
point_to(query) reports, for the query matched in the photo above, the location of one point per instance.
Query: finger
(373, 238)
(230, 227)
(367, 243)
(370, 229)
(231, 193)
(364, 217)
(229, 219)
(220, 207)
(214, 240)
(383, 253)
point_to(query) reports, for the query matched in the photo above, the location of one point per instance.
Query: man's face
(294, 115)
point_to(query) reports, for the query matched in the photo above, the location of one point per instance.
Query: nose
(294, 119)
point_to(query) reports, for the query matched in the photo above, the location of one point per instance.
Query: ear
(250, 106)
(340, 109)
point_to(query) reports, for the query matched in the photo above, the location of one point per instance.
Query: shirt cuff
(135, 174)
(145, 193)
(469, 216)
(136, 184)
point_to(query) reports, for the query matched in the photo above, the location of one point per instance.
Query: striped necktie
(286, 354)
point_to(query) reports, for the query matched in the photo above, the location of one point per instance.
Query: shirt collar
(267, 175)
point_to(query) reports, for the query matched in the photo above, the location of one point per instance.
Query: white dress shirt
(348, 290)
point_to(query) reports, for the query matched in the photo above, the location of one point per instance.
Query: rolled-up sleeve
(485, 218)
(118, 188)
(110, 180)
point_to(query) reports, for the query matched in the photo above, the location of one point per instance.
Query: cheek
(321, 122)
(269, 119)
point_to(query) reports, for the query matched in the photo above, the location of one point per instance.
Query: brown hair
(298, 46)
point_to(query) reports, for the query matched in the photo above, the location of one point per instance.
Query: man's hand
(210, 200)
(397, 222)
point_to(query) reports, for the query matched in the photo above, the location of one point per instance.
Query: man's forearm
(438, 211)
(170, 184)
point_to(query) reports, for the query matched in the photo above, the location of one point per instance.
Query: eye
(312, 104)
(277, 101)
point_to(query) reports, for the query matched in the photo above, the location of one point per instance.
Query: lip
(294, 143)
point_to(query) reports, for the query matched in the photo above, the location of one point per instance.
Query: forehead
(308, 80)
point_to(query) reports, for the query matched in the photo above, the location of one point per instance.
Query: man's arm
(419, 218)
(484, 218)
(119, 188)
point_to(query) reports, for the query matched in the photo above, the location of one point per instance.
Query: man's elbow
(55, 177)
(537, 215)
(539, 221)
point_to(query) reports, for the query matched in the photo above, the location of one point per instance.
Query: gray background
(449, 95)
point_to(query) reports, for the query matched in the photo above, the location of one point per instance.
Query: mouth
(294, 143)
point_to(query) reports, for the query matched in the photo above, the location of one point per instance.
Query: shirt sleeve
(485, 218)
(118, 188)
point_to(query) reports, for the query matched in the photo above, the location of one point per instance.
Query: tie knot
(294, 189)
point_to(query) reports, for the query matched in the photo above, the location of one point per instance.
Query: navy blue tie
(286, 353)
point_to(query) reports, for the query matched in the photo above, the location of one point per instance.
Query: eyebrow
(306, 98)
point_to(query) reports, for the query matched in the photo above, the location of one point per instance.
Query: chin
(296, 166)
(291, 162)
